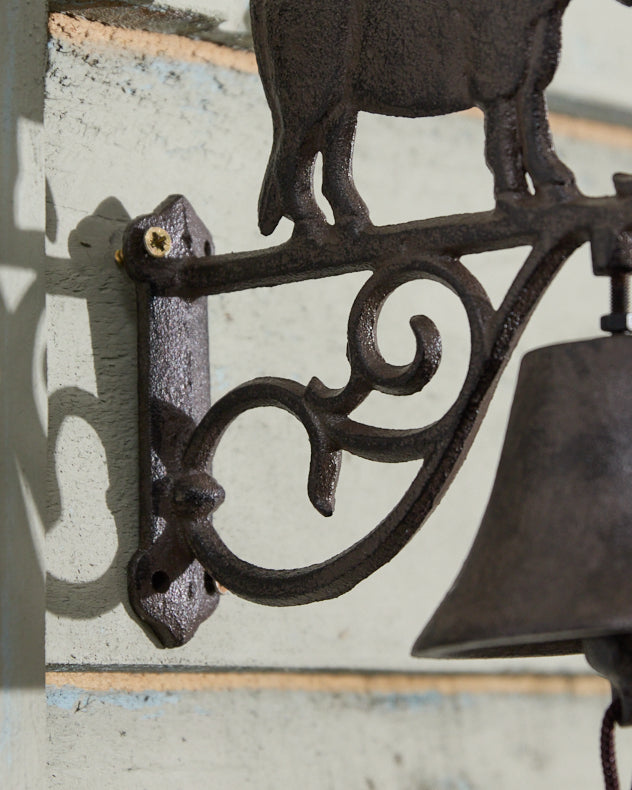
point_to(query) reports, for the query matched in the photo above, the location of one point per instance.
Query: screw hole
(207, 247)
(160, 582)
(191, 591)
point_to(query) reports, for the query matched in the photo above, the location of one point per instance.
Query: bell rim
(546, 572)
(553, 643)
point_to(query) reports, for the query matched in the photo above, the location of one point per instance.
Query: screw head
(157, 242)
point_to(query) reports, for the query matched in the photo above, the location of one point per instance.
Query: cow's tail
(270, 198)
(270, 201)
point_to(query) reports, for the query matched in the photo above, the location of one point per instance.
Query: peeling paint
(69, 698)
(408, 701)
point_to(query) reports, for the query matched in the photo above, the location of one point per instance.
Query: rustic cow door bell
(549, 572)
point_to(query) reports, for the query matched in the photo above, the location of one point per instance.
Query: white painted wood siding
(406, 738)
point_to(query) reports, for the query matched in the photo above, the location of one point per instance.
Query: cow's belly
(430, 57)
(394, 88)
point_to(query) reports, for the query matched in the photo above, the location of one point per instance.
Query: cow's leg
(503, 151)
(350, 211)
(551, 177)
(296, 155)
(549, 174)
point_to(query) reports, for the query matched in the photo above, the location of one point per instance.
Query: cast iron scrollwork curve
(330, 430)
(323, 414)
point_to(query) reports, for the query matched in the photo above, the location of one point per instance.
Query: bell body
(551, 565)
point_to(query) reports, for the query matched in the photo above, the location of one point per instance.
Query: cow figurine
(323, 61)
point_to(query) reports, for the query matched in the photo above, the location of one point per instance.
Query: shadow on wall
(110, 410)
(22, 409)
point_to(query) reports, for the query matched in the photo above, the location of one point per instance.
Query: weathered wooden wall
(324, 695)
(331, 732)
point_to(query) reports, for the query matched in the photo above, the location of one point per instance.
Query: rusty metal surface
(321, 63)
(168, 587)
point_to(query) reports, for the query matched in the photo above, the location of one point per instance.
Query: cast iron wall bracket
(168, 587)
(171, 577)
(321, 64)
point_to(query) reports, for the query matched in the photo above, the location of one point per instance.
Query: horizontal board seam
(327, 682)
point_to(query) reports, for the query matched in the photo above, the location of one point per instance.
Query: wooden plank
(409, 739)
(330, 683)
(84, 33)
(199, 21)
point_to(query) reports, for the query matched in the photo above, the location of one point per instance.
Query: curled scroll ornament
(441, 445)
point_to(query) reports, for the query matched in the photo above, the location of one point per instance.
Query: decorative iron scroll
(321, 63)
(395, 255)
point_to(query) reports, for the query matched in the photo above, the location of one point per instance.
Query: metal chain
(608, 756)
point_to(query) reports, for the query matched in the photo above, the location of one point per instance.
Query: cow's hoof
(512, 199)
(312, 232)
(353, 225)
(557, 193)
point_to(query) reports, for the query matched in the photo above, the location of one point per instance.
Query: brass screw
(157, 242)
(118, 257)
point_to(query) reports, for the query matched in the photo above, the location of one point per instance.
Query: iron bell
(550, 571)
